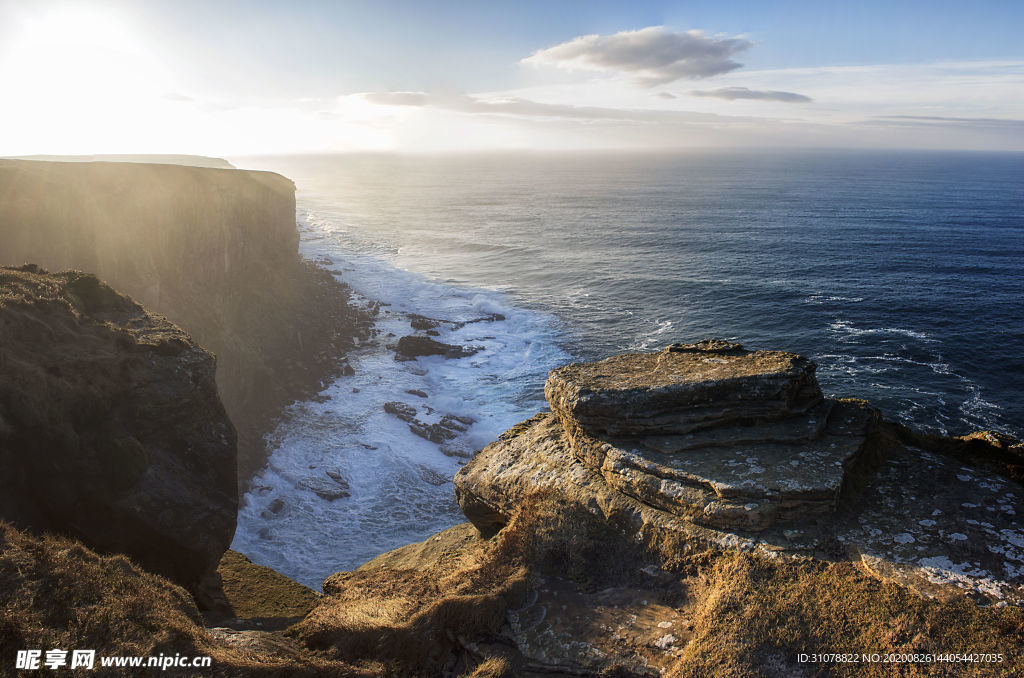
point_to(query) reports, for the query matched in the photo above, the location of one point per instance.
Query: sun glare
(84, 80)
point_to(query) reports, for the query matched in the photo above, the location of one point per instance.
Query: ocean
(901, 274)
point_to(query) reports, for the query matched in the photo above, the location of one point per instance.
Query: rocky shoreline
(700, 510)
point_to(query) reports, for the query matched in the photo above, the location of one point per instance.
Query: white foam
(401, 489)
(824, 298)
(846, 328)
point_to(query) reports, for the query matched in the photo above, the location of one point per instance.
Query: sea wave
(848, 331)
(398, 484)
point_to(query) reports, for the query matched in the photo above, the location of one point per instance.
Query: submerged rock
(112, 428)
(419, 322)
(415, 346)
(331, 488)
(447, 428)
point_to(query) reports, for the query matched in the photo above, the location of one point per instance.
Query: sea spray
(347, 479)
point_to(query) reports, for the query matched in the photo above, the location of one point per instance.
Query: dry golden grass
(55, 593)
(753, 616)
(492, 667)
(750, 616)
(255, 591)
(410, 617)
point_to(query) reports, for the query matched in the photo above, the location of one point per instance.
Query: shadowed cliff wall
(214, 250)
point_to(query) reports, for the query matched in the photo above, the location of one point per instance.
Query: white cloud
(526, 108)
(987, 123)
(733, 93)
(653, 55)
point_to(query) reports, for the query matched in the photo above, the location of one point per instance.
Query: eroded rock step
(684, 388)
(751, 485)
(802, 429)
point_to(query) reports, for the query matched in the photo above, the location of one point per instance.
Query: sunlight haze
(233, 78)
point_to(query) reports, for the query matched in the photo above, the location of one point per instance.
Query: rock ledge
(711, 432)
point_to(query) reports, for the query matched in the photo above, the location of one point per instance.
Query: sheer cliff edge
(213, 250)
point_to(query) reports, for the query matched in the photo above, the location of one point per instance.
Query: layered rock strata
(111, 429)
(802, 475)
(711, 432)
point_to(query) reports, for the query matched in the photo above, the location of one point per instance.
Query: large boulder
(415, 346)
(111, 429)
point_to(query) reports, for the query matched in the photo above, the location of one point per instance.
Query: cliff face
(110, 426)
(213, 250)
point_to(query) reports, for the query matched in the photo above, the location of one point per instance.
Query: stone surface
(684, 388)
(533, 457)
(111, 429)
(829, 479)
(560, 628)
(723, 436)
(922, 520)
(415, 346)
(748, 484)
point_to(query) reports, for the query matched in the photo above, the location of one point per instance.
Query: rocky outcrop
(213, 250)
(111, 429)
(711, 446)
(685, 388)
(711, 433)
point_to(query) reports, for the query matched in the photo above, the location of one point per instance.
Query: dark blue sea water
(900, 274)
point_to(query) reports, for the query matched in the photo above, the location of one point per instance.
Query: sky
(233, 78)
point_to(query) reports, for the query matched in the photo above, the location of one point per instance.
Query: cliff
(213, 250)
(163, 159)
(110, 426)
(703, 510)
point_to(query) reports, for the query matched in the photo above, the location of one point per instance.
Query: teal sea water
(900, 274)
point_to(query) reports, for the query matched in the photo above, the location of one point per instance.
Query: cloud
(653, 56)
(174, 96)
(398, 98)
(997, 123)
(667, 95)
(526, 108)
(733, 93)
